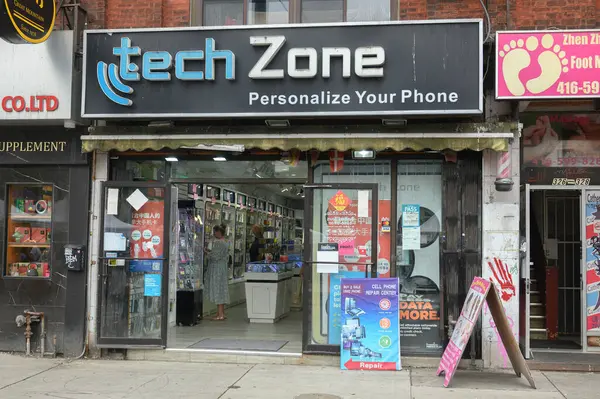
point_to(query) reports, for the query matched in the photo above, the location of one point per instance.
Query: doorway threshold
(231, 356)
(564, 360)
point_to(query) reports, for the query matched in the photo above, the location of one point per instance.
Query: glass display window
(29, 230)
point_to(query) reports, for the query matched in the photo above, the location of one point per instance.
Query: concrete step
(538, 333)
(537, 322)
(537, 309)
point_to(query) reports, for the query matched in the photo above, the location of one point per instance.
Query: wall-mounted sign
(547, 64)
(27, 145)
(26, 21)
(389, 68)
(40, 90)
(560, 149)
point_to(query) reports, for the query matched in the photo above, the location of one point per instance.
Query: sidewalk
(95, 379)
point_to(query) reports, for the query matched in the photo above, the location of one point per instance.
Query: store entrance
(238, 262)
(556, 278)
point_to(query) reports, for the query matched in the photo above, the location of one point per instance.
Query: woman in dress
(217, 283)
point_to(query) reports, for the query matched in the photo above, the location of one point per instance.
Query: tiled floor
(237, 326)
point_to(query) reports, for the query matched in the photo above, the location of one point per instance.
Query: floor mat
(554, 344)
(239, 344)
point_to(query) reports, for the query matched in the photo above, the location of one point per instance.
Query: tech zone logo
(156, 67)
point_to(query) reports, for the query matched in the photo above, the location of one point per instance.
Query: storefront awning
(397, 141)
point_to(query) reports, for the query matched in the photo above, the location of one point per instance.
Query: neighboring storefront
(44, 186)
(554, 76)
(338, 102)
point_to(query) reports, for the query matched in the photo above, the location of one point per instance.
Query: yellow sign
(27, 21)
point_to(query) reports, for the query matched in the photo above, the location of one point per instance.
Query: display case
(252, 218)
(191, 254)
(29, 230)
(239, 257)
(191, 261)
(228, 221)
(268, 291)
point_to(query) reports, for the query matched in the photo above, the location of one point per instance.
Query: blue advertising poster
(152, 284)
(145, 265)
(370, 324)
(334, 332)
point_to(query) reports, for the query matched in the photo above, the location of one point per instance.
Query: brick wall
(524, 14)
(137, 13)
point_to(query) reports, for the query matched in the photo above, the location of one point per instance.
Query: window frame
(294, 13)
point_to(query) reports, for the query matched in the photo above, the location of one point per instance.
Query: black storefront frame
(307, 287)
(447, 184)
(112, 342)
(70, 328)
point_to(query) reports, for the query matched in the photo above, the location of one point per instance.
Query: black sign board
(251, 202)
(241, 200)
(34, 146)
(26, 21)
(213, 192)
(387, 68)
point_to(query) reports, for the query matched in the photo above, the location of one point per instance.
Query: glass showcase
(29, 230)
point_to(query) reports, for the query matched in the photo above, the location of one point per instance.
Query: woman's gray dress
(217, 283)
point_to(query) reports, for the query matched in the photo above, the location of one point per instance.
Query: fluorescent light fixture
(277, 122)
(219, 159)
(394, 122)
(171, 159)
(363, 154)
(217, 147)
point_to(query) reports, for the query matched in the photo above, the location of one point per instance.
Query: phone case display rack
(191, 253)
(28, 230)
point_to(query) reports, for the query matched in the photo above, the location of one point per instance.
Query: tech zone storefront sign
(26, 21)
(394, 68)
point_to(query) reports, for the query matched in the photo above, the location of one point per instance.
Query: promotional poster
(464, 327)
(418, 258)
(147, 234)
(561, 149)
(370, 336)
(592, 232)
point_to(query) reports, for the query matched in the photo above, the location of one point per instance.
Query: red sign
(352, 365)
(147, 234)
(340, 201)
(29, 104)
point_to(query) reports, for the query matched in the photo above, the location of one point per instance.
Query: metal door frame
(526, 273)
(129, 343)
(307, 346)
(583, 190)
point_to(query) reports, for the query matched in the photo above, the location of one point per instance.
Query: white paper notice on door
(363, 204)
(328, 258)
(411, 238)
(112, 201)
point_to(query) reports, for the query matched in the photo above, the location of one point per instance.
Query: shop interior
(263, 231)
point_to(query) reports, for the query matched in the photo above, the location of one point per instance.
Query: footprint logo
(517, 55)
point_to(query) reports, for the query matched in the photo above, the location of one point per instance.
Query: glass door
(341, 241)
(134, 264)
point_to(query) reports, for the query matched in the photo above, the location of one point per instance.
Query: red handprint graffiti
(503, 278)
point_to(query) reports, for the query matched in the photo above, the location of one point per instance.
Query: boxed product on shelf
(39, 235)
(21, 234)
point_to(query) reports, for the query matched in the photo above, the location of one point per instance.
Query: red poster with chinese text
(147, 235)
(354, 234)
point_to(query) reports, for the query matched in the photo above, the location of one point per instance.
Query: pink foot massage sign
(548, 64)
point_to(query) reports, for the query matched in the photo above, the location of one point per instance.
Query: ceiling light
(171, 159)
(277, 122)
(219, 159)
(363, 154)
(394, 122)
